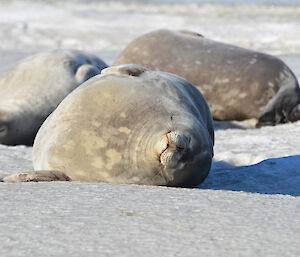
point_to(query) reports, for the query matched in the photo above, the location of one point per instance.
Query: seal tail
(37, 176)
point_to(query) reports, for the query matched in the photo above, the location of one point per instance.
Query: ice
(249, 204)
(109, 26)
(89, 219)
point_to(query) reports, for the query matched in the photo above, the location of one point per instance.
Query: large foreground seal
(128, 125)
(32, 89)
(237, 83)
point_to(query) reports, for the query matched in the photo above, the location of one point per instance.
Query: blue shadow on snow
(271, 176)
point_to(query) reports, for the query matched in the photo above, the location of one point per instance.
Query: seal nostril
(163, 151)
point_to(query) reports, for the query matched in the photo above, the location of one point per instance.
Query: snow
(249, 204)
(82, 219)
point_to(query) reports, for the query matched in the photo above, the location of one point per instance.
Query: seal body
(129, 125)
(32, 89)
(237, 83)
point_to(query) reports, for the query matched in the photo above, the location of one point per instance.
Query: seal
(128, 125)
(33, 88)
(237, 83)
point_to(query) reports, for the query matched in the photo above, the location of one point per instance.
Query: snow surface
(248, 206)
(83, 219)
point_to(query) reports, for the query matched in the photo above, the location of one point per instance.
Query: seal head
(129, 125)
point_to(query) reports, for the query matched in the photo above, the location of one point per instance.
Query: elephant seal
(237, 83)
(32, 89)
(127, 125)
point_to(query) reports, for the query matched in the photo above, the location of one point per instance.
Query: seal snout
(175, 147)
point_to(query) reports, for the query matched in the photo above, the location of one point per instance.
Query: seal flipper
(85, 72)
(294, 115)
(283, 107)
(37, 176)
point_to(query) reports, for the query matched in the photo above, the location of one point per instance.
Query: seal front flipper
(295, 113)
(36, 176)
(85, 72)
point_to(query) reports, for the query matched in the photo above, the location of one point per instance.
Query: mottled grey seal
(127, 125)
(32, 89)
(237, 83)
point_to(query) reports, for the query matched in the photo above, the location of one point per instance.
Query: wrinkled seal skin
(128, 125)
(32, 89)
(237, 83)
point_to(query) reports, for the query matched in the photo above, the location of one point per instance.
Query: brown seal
(237, 83)
(32, 89)
(127, 125)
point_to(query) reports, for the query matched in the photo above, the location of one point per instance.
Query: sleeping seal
(237, 83)
(127, 125)
(32, 89)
